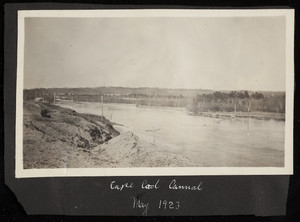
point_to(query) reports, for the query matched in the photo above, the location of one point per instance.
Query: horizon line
(151, 87)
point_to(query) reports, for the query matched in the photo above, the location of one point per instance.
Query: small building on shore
(38, 99)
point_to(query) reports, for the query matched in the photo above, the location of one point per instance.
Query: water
(206, 141)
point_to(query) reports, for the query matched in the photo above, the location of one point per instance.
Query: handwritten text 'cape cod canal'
(173, 185)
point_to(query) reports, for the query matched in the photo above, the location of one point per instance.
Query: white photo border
(20, 172)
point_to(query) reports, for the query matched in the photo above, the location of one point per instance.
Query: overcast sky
(208, 53)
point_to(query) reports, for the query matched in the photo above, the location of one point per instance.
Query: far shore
(214, 114)
(254, 115)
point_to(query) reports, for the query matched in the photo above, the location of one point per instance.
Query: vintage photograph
(171, 92)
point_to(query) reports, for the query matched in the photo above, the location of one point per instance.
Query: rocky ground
(56, 137)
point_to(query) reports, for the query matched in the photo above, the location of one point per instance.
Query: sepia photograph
(154, 92)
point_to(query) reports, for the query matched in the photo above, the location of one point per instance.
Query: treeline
(121, 91)
(218, 101)
(161, 97)
(239, 102)
(138, 100)
(45, 95)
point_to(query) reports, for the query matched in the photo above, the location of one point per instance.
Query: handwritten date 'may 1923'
(162, 204)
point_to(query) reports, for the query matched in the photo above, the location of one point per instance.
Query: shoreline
(242, 115)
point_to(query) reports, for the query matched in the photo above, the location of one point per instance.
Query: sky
(233, 53)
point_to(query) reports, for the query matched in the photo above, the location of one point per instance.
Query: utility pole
(235, 109)
(102, 104)
(248, 125)
(153, 131)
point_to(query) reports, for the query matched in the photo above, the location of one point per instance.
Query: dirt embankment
(127, 150)
(56, 137)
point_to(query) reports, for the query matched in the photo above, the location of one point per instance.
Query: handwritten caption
(161, 204)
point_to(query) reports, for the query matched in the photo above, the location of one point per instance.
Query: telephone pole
(102, 104)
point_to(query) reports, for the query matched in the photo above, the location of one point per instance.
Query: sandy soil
(68, 139)
(129, 151)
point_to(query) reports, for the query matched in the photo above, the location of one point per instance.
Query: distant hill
(123, 91)
(196, 100)
(140, 90)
